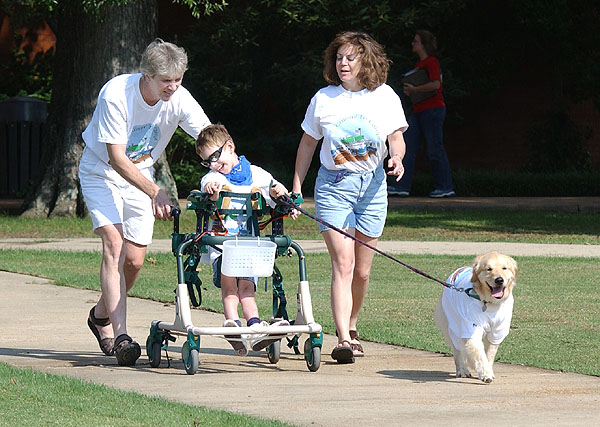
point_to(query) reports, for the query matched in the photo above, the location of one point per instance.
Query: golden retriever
(474, 324)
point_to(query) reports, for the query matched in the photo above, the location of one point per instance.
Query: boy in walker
(230, 172)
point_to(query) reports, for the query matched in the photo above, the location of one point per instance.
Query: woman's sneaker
(392, 191)
(442, 193)
(236, 340)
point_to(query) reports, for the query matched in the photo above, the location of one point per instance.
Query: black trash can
(21, 136)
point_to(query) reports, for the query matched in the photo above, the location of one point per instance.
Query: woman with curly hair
(357, 116)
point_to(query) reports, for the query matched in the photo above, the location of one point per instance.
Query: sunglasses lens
(213, 157)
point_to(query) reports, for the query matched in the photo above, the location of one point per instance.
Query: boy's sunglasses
(213, 157)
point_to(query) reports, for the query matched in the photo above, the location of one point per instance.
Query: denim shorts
(352, 200)
(216, 265)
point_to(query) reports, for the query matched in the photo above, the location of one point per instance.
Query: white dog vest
(466, 317)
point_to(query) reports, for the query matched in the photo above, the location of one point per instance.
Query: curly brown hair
(374, 61)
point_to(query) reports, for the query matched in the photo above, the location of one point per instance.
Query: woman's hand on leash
(294, 214)
(396, 167)
(278, 191)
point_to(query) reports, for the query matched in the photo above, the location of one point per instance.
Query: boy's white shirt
(466, 318)
(236, 224)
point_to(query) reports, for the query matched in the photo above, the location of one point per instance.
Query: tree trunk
(89, 51)
(164, 178)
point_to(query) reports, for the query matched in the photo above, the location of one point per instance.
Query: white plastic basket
(248, 258)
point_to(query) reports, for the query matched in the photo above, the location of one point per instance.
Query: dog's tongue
(498, 292)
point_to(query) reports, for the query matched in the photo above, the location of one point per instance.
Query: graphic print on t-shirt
(354, 139)
(141, 142)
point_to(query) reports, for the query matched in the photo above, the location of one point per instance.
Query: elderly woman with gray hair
(134, 119)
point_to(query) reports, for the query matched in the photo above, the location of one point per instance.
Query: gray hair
(163, 59)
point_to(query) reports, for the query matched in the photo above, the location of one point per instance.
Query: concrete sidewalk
(43, 327)
(391, 247)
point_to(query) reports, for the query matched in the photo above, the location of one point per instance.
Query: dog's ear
(476, 268)
(513, 265)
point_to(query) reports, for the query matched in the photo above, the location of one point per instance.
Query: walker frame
(192, 246)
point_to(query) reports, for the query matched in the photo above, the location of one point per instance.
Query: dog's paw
(487, 377)
(463, 373)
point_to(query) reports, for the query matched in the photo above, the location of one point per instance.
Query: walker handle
(175, 212)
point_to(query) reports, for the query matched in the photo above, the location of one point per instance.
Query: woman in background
(426, 121)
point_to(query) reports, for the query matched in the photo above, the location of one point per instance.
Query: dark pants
(429, 125)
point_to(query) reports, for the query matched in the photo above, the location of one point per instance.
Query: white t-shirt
(236, 224)
(354, 125)
(466, 318)
(123, 117)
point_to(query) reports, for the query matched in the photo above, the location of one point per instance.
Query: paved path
(393, 247)
(43, 326)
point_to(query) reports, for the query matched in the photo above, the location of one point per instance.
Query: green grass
(31, 398)
(458, 225)
(555, 322)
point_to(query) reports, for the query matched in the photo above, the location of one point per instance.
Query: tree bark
(164, 178)
(90, 49)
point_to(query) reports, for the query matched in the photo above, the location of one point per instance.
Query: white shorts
(110, 199)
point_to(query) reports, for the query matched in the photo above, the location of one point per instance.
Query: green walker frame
(188, 249)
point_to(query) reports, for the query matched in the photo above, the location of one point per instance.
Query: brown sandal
(357, 347)
(106, 344)
(343, 352)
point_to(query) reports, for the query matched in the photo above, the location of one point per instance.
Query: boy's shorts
(216, 265)
(110, 199)
(352, 200)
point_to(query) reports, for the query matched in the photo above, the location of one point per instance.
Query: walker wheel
(274, 352)
(190, 359)
(155, 354)
(312, 355)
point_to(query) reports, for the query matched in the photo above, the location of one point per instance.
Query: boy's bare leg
(229, 295)
(246, 295)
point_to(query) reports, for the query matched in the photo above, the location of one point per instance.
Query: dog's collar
(471, 293)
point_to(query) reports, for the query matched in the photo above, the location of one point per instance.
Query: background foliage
(254, 65)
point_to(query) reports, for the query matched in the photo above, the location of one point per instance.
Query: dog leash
(287, 200)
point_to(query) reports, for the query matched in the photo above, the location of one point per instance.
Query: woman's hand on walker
(161, 206)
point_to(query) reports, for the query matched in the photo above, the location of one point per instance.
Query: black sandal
(126, 350)
(106, 344)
